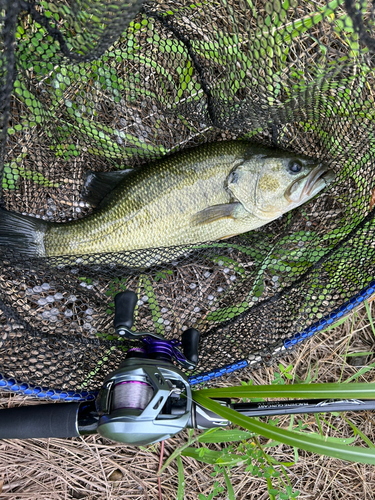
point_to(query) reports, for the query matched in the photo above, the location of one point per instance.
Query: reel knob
(125, 303)
(190, 344)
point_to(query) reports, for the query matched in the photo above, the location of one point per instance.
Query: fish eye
(294, 167)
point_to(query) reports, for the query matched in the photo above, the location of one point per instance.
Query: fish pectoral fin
(215, 213)
(99, 184)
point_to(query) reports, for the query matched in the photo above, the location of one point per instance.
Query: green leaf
(360, 372)
(181, 479)
(356, 354)
(308, 443)
(328, 439)
(226, 313)
(314, 391)
(272, 491)
(178, 451)
(336, 324)
(359, 432)
(370, 317)
(213, 457)
(225, 436)
(229, 486)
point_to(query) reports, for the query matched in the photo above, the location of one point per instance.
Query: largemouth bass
(207, 193)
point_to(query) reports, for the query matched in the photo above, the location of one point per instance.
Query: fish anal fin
(99, 184)
(215, 213)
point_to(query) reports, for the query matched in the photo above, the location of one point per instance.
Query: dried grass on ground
(96, 469)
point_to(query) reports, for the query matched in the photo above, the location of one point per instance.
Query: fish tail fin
(22, 233)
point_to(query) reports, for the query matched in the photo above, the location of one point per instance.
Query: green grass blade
(308, 443)
(153, 304)
(104, 145)
(360, 372)
(98, 366)
(181, 479)
(226, 313)
(359, 432)
(271, 490)
(13, 171)
(34, 176)
(314, 391)
(230, 312)
(356, 354)
(225, 436)
(336, 324)
(328, 439)
(370, 317)
(179, 451)
(213, 457)
(229, 486)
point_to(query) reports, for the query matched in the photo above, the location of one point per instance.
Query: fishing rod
(148, 398)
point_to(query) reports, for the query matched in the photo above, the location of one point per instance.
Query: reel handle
(190, 344)
(125, 303)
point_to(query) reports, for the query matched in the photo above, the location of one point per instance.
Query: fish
(207, 193)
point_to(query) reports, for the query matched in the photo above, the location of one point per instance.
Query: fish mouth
(317, 179)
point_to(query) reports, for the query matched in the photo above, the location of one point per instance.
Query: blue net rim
(15, 386)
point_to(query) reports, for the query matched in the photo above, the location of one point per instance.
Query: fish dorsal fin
(99, 184)
(215, 213)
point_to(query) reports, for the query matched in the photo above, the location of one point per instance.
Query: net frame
(275, 134)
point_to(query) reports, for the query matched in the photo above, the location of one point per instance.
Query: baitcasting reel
(148, 398)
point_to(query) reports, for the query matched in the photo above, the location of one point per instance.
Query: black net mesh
(99, 86)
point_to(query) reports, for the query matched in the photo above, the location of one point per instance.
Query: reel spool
(132, 395)
(135, 393)
(144, 401)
